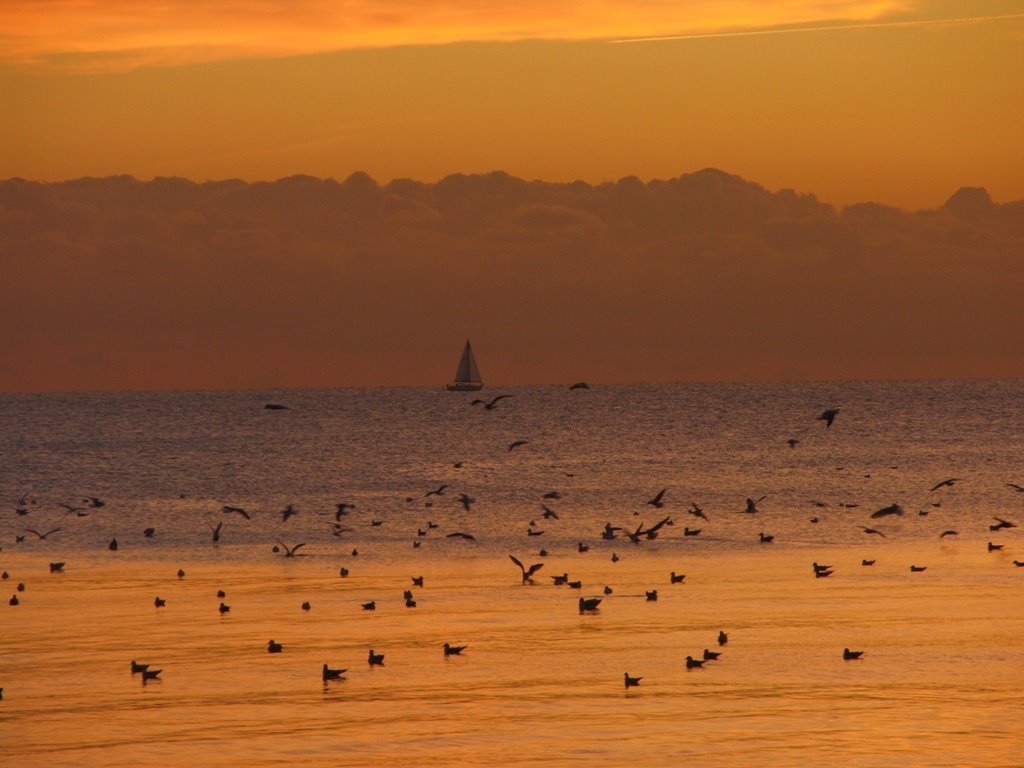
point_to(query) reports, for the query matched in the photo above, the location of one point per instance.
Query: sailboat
(467, 378)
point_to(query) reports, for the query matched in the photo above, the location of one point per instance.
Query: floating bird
(950, 532)
(828, 416)
(343, 572)
(722, 637)
(942, 483)
(290, 551)
(607, 590)
(552, 495)
(273, 647)
(652, 595)
(57, 567)
(710, 655)
(221, 593)
(181, 573)
(691, 531)
(615, 558)
(589, 604)
(489, 406)
(148, 532)
(41, 535)
(410, 603)
(631, 682)
(872, 531)
(14, 600)
(112, 546)
(574, 584)
(370, 606)
(675, 578)
(994, 547)
(892, 509)
(692, 663)
(438, 492)
(918, 568)
(150, 674)
(527, 572)
(851, 655)
(515, 444)
(867, 562)
(224, 608)
(531, 532)
(657, 502)
(159, 602)
(95, 502)
(137, 667)
(227, 509)
(376, 659)
(581, 547)
(752, 505)
(326, 673)
(453, 650)
(766, 538)
(306, 606)
(1019, 563)
(417, 581)
(289, 511)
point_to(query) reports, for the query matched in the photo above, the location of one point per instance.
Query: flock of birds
(635, 535)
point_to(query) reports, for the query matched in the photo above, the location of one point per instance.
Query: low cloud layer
(117, 283)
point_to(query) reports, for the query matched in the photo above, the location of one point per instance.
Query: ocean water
(940, 681)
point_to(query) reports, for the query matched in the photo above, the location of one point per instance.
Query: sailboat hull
(464, 386)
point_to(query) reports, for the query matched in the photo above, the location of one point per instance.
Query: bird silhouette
(489, 406)
(287, 512)
(439, 491)
(515, 444)
(872, 531)
(950, 532)
(942, 483)
(461, 535)
(39, 535)
(527, 572)
(228, 509)
(851, 655)
(466, 501)
(710, 655)
(453, 650)
(376, 659)
(752, 505)
(631, 682)
(326, 673)
(892, 509)
(828, 416)
(657, 502)
(273, 647)
(692, 663)
(589, 604)
(215, 531)
(290, 551)
(918, 568)
(697, 511)
(675, 578)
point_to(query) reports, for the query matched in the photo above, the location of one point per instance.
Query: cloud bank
(117, 283)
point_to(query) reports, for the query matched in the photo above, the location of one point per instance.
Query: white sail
(467, 377)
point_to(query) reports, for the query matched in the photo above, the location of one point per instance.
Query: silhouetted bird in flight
(892, 509)
(515, 444)
(942, 483)
(465, 501)
(488, 406)
(41, 535)
(950, 532)
(290, 551)
(752, 505)
(828, 416)
(461, 535)
(215, 531)
(287, 512)
(1000, 524)
(697, 511)
(227, 509)
(438, 492)
(657, 502)
(527, 572)
(873, 531)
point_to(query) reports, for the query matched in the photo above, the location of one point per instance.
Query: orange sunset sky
(894, 102)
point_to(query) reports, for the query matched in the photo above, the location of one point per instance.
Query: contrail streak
(829, 28)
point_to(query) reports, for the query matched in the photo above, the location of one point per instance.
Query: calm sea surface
(941, 681)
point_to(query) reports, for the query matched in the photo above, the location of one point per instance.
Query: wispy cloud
(71, 35)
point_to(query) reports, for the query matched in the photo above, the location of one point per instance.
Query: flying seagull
(290, 551)
(657, 502)
(948, 482)
(515, 444)
(527, 572)
(752, 505)
(41, 535)
(489, 406)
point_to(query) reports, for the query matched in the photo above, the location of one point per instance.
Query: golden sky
(897, 101)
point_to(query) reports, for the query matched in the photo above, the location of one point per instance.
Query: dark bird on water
(652, 595)
(112, 546)
(867, 562)
(95, 502)
(692, 663)
(710, 655)
(306, 606)
(224, 608)
(273, 647)
(994, 547)
(722, 637)
(527, 572)
(587, 604)
(792, 442)
(675, 578)
(850, 655)
(376, 659)
(631, 682)
(453, 650)
(159, 602)
(370, 606)
(148, 532)
(828, 416)
(181, 573)
(326, 673)
(137, 667)
(766, 538)
(552, 495)
(275, 407)
(150, 674)
(918, 568)
(417, 581)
